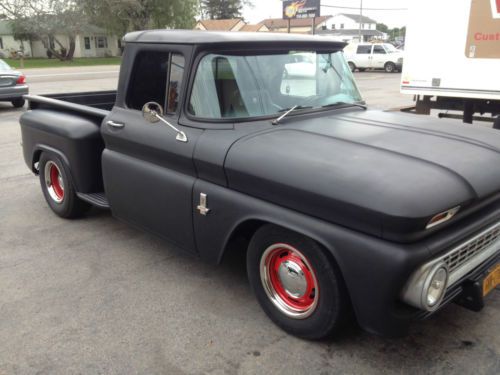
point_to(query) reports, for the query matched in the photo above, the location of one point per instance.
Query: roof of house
(256, 27)
(358, 18)
(220, 25)
(209, 37)
(279, 23)
(351, 32)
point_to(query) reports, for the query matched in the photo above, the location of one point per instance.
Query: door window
(87, 42)
(150, 80)
(378, 50)
(364, 50)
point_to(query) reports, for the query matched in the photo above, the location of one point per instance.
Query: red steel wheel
(289, 281)
(54, 182)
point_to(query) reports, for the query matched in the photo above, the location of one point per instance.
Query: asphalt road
(95, 296)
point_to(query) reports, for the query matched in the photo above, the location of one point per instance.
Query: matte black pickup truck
(224, 142)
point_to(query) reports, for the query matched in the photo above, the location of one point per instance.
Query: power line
(357, 8)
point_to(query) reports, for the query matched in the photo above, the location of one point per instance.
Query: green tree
(121, 16)
(46, 21)
(382, 27)
(222, 9)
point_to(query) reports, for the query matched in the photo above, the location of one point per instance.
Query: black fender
(374, 270)
(76, 139)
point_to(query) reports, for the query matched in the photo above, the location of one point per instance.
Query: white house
(344, 21)
(347, 27)
(93, 42)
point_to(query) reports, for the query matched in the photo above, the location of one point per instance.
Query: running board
(95, 199)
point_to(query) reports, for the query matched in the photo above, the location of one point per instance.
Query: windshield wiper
(288, 111)
(336, 104)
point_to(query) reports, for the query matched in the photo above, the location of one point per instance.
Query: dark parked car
(12, 85)
(340, 210)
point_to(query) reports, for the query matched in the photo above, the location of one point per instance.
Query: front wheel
(57, 187)
(390, 67)
(296, 284)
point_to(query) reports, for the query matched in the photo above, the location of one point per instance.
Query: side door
(379, 57)
(148, 174)
(363, 56)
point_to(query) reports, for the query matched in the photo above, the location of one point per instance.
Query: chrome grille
(471, 248)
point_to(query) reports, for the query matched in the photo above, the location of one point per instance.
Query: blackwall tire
(352, 66)
(296, 283)
(58, 189)
(390, 67)
(18, 103)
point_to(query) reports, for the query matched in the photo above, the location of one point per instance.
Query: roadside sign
(301, 9)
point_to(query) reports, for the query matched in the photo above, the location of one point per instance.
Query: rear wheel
(18, 103)
(296, 284)
(57, 187)
(352, 66)
(390, 67)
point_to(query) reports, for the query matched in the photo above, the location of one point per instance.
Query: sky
(273, 9)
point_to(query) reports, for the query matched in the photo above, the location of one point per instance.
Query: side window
(154, 75)
(175, 82)
(364, 50)
(148, 82)
(378, 50)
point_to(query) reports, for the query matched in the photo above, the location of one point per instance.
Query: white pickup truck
(364, 56)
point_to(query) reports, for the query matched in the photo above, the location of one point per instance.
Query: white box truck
(452, 58)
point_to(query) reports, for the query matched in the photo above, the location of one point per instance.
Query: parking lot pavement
(96, 296)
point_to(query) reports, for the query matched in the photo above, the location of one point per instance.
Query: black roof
(209, 37)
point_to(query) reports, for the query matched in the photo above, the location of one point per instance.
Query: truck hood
(382, 173)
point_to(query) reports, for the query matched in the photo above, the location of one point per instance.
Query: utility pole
(360, 16)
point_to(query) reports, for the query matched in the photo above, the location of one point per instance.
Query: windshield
(4, 66)
(236, 86)
(390, 48)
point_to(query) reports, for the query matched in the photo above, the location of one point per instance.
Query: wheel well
(36, 159)
(239, 240)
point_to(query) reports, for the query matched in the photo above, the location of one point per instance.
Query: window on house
(362, 25)
(101, 42)
(333, 26)
(86, 41)
(1, 43)
(149, 80)
(341, 25)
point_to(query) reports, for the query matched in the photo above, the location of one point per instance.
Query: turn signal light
(21, 80)
(442, 217)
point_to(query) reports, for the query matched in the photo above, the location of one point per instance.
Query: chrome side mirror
(153, 113)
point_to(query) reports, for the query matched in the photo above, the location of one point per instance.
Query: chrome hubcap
(292, 279)
(289, 281)
(54, 182)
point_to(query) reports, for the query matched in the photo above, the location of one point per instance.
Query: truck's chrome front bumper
(458, 262)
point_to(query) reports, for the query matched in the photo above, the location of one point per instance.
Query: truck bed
(95, 104)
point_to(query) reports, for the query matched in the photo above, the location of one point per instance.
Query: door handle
(116, 125)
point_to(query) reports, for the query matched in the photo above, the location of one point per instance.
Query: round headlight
(436, 284)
